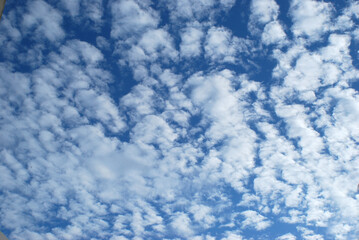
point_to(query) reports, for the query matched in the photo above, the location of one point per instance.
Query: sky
(179, 119)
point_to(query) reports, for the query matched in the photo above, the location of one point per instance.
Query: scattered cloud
(155, 120)
(41, 19)
(311, 19)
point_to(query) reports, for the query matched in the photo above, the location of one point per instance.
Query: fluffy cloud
(41, 19)
(129, 18)
(191, 42)
(202, 10)
(156, 121)
(264, 11)
(273, 33)
(311, 19)
(287, 236)
(220, 45)
(255, 220)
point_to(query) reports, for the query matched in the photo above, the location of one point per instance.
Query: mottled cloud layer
(132, 119)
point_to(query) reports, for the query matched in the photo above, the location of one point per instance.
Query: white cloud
(131, 18)
(337, 49)
(285, 60)
(219, 103)
(181, 224)
(232, 236)
(341, 230)
(273, 33)
(93, 10)
(10, 36)
(72, 6)
(287, 236)
(202, 214)
(264, 11)
(87, 14)
(255, 220)
(102, 43)
(187, 149)
(191, 42)
(309, 234)
(141, 99)
(305, 76)
(309, 139)
(101, 107)
(220, 45)
(196, 10)
(311, 19)
(153, 130)
(158, 43)
(43, 20)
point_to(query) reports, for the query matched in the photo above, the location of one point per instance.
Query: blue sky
(188, 119)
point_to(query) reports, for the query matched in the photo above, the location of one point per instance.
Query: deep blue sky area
(188, 119)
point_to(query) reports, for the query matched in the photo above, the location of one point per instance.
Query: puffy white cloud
(305, 76)
(264, 11)
(102, 43)
(181, 223)
(273, 33)
(41, 19)
(215, 96)
(141, 99)
(10, 37)
(93, 10)
(311, 19)
(158, 43)
(202, 214)
(309, 234)
(220, 45)
(191, 42)
(72, 6)
(232, 236)
(337, 49)
(131, 18)
(287, 236)
(153, 130)
(101, 107)
(164, 146)
(255, 220)
(199, 10)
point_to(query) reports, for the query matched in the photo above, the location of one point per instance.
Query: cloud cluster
(155, 121)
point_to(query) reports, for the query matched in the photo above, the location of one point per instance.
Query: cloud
(181, 224)
(154, 130)
(309, 234)
(93, 10)
(220, 45)
(232, 236)
(159, 122)
(264, 11)
(131, 18)
(97, 106)
(311, 19)
(273, 33)
(158, 43)
(41, 19)
(255, 220)
(202, 214)
(191, 42)
(89, 14)
(287, 236)
(191, 10)
(10, 37)
(72, 6)
(102, 43)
